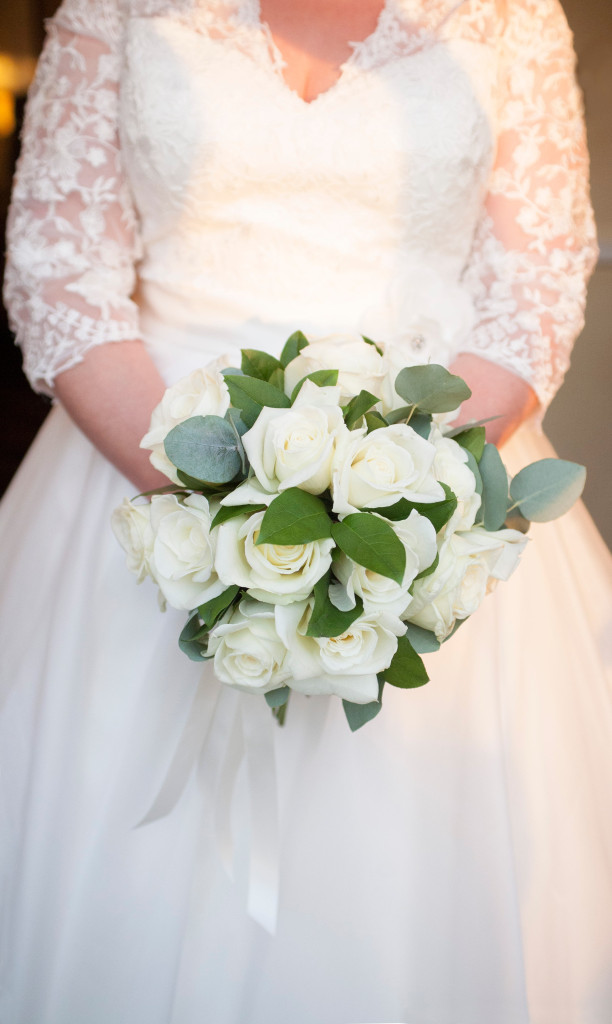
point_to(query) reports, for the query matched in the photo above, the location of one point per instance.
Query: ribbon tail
(225, 792)
(189, 747)
(264, 861)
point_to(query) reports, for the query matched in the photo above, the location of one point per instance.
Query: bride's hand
(495, 391)
(110, 396)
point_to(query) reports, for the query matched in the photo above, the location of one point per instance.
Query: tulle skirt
(450, 863)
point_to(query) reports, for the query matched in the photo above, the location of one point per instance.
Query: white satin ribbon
(223, 726)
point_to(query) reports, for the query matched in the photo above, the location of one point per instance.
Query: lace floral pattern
(514, 232)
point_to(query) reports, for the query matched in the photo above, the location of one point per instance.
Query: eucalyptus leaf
(233, 417)
(403, 413)
(276, 698)
(187, 643)
(473, 439)
(326, 619)
(453, 431)
(438, 512)
(407, 669)
(259, 364)
(358, 715)
(192, 484)
(421, 423)
(292, 347)
(431, 388)
(358, 406)
(546, 489)
(423, 641)
(232, 511)
(494, 488)
(471, 461)
(371, 542)
(323, 378)
(294, 517)
(210, 612)
(205, 448)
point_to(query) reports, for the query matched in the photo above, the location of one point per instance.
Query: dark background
(577, 423)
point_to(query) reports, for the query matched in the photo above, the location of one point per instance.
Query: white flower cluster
(261, 641)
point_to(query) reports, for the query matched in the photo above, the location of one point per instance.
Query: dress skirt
(450, 863)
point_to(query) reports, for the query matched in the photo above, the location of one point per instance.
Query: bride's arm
(534, 247)
(73, 241)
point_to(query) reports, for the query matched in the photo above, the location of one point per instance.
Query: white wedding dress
(450, 863)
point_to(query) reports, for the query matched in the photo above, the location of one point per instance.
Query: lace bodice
(172, 185)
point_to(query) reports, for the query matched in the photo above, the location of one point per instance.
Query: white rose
(360, 366)
(248, 652)
(378, 592)
(450, 467)
(278, 573)
(470, 565)
(132, 527)
(346, 665)
(202, 393)
(182, 560)
(294, 447)
(378, 469)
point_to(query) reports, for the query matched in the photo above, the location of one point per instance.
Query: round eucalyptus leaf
(205, 448)
(431, 388)
(547, 489)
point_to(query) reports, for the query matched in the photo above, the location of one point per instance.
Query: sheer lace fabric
(161, 136)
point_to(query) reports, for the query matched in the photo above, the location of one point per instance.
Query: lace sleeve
(72, 237)
(535, 246)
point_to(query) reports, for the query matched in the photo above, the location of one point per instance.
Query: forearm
(110, 396)
(495, 392)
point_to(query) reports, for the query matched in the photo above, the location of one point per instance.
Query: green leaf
(432, 388)
(251, 395)
(227, 512)
(369, 341)
(371, 542)
(259, 364)
(359, 714)
(374, 421)
(202, 486)
(546, 489)
(187, 643)
(420, 422)
(430, 568)
(473, 439)
(205, 448)
(211, 611)
(407, 669)
(277, 378)
(438, 512)
(453, 431)
(276, 698)
(294, 517)
(358, 406)
(292, 347)
(423, 641)
(323, 378)
(494, 488)
(326, 619)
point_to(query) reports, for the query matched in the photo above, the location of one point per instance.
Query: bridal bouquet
(322, 534)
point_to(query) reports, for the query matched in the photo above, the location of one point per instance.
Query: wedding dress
(450, 863)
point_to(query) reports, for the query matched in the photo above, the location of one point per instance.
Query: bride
(199, 175)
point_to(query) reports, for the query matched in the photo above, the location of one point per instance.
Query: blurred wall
(576, 422)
